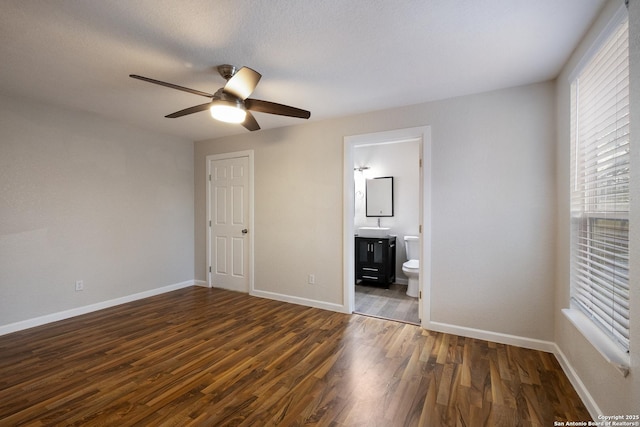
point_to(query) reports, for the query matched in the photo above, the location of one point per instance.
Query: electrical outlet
(79, 285)
(312, 279)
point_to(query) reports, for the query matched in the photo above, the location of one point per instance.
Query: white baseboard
(300, 301)
(577, 383)
(61, 315)
(202, 283)
(498, 337)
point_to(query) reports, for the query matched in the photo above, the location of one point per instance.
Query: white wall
(85, 198)
(493, 206)
(609, 391)
(399, 160)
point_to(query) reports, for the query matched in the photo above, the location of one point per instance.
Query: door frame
(423, 135)
(250, 262)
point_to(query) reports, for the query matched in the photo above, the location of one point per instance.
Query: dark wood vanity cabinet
(376, 259)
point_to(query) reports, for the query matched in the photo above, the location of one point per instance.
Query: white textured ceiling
(332, 57)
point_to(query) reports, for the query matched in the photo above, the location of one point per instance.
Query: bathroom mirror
(380, 196)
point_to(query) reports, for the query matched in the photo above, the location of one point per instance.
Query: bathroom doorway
(365, 157)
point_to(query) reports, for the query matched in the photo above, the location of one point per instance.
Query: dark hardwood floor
(208, 357)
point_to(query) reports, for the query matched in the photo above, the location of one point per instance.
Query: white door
(229, 223)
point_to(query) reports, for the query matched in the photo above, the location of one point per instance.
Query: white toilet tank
(412, 247)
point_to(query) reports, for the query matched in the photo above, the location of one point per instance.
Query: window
(600, 187)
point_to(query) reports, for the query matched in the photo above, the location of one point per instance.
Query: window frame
(585, 213)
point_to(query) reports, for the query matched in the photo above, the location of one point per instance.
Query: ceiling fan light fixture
(231, 103)
(228, 111)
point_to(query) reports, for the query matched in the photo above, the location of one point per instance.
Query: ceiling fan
(231, 103)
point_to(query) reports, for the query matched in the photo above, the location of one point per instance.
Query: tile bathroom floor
(392, 303)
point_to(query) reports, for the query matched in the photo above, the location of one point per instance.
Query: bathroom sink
(373, 231)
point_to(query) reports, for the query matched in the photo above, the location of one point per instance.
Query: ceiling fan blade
(273, 108)
(190, 110)
(243, 82)
(171, 85)
(250, 122)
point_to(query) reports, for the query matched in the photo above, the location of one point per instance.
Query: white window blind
(600, 187)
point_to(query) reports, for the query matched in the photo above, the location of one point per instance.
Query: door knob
(245, 231)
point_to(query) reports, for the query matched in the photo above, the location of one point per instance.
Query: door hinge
(420, 228)
(420, 294)
(420, 162)
(209, 177)
(209, 269)
(209, 223)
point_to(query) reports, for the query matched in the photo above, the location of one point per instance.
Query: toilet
(411, 268)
